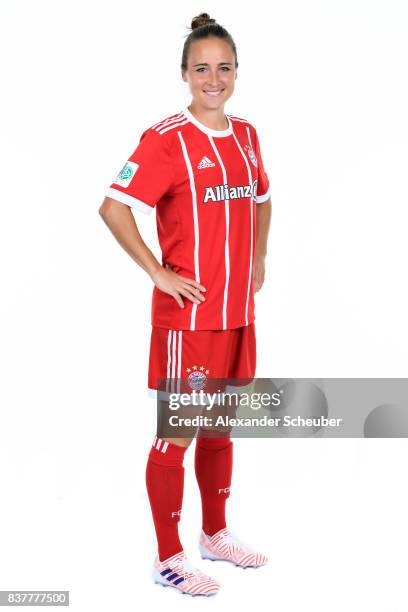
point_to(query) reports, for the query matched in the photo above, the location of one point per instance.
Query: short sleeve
(146, 176)
(262, 191)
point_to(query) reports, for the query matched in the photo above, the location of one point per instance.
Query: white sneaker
(224, 546)
(177, 572)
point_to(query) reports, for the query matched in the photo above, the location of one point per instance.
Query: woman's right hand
(176, 285)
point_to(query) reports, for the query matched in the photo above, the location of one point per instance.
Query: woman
(202, 170)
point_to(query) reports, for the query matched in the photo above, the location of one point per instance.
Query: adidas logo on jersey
(205, 163)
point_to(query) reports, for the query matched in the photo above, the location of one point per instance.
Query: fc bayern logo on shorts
(251, 155)
(197, 377)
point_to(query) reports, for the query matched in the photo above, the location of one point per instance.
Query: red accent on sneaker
(177, 572)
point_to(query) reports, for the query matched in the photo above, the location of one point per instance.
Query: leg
(214, 463)
(165, 471)
(165, 486)
(213, 468)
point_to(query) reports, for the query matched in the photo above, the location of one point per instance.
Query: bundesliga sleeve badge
(126, 174)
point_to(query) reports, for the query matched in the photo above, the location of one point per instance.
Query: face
(211, 72)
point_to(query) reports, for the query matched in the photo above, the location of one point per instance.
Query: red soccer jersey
(205, 185)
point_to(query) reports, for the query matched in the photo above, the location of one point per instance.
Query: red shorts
(182, 360)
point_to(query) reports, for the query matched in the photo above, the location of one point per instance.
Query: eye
(200, 69)
(226, 68)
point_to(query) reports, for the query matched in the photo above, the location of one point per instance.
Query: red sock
(213, 468)
(165, 484)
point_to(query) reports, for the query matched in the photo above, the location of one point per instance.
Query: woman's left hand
(258, 272)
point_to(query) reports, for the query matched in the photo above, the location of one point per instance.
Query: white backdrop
(324, 82)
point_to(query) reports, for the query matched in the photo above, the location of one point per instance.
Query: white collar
(206, 129)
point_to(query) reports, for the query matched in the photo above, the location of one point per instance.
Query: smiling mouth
(215, 93)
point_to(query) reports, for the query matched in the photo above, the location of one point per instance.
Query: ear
(183, 76)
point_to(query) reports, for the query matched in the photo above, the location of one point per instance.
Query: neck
(213, 118)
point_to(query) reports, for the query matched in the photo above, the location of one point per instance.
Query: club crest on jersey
(251, 155)
(126, 174)
(197, 377)
(219, 193)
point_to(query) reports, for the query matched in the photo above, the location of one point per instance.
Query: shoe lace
(229, 538)
(188, 570)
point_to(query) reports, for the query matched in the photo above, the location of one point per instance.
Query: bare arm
(120, 220)
(263, 221)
